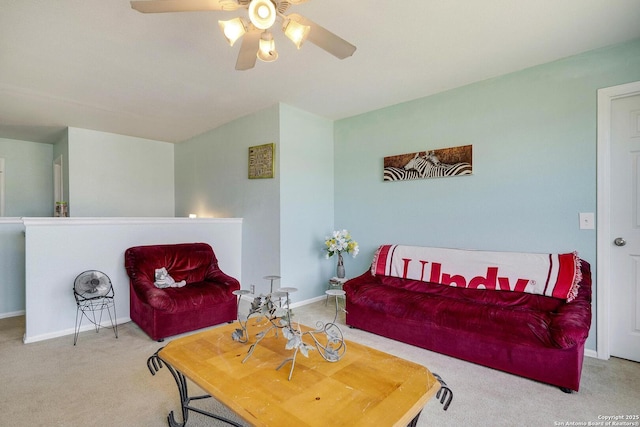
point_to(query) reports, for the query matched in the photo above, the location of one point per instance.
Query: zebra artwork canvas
(454, 161)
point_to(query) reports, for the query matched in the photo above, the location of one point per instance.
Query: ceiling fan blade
(248, 50)
(325, 39)
(161, 6)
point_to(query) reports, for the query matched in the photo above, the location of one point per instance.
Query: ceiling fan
(258, 41)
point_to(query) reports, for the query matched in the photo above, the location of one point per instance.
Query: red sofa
(205, 300)
(534, 336)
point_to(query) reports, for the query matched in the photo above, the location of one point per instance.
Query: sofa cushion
(198, 295)
(480, 296)
(516, 323)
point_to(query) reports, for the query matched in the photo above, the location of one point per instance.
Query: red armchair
(205, 300)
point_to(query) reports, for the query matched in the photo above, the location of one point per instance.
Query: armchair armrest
(215, 275)
(150, 294)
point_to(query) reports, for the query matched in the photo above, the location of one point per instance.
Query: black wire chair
(94, 293)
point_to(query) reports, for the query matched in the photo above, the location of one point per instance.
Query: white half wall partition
(58, 249)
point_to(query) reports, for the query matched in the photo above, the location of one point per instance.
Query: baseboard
(89, 326)
(308, 301)
(70, 331)
(591, 353)
(294, 304)
(12, 314)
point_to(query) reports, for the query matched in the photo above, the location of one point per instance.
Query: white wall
(58, 249)
(109, 175)
(115, 175)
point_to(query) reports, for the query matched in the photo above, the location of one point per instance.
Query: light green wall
(115, 175)
(12, 257)
(285, 218)
(534, 138)
(212, 180)
(534, 157)
(29, 177)
(306, 200)
(28, 192)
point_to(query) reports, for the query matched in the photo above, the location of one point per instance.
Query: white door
(624, 325)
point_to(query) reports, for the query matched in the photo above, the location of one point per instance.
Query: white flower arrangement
(339, 242)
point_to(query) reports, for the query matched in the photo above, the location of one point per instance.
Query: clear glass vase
(340, 268)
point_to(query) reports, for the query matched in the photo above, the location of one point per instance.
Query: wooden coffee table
(365, 388)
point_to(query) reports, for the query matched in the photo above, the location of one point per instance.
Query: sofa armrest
(571, 323)
(352, 284)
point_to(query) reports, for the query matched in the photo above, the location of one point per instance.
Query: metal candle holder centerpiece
(327, 338)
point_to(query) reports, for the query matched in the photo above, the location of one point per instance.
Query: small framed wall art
(261, 161)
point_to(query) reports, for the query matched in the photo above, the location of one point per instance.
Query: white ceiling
(98, 64)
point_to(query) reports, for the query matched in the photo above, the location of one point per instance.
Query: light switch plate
(587, 221)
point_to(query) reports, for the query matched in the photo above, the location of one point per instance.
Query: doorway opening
(58, 185)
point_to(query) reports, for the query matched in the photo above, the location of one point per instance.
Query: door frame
(606, 96)
(2, 186)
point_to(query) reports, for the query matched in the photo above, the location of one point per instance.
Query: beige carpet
(104, 381)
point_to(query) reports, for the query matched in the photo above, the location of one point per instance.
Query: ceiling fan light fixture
(296, 32)
(233, 29)
(262, 13)
(255, 28)
(267, 50)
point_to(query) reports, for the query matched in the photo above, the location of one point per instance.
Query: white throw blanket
(553, 275)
